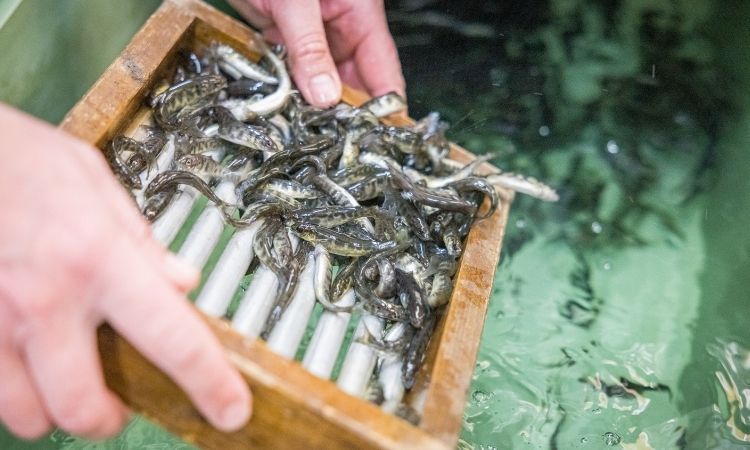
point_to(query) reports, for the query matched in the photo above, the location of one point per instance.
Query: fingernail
(323, 89)
(234, 416)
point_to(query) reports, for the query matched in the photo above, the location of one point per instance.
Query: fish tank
(619, 313)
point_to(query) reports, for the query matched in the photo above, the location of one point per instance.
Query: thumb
(301, 25)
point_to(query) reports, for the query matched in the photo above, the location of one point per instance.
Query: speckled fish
(339, 243)
(322, 280)
(412, 298)
(525, 185)
(125, 174)
(237, 65)
(166, 180)
(156, 204)
(377, 306)
(243, 109)
(416, 352)
(246, 135)
(186, 97)
(201, 165)
(385, 105)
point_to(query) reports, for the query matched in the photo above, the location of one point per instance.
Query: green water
(619, 315)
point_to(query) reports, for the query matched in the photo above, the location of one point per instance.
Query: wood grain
(292, 408)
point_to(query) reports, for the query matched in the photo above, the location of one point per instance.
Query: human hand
(74, 253)
(351, 35)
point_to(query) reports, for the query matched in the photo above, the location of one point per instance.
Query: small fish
(202, 165)
(292, 280)
(322, 283)
(332, 216)
(124, 173)
(388, 346)
(248, 87)
(385, 105)
(184, 98)
(263, 249)
(243, 109)
(412, 298)
(292, 189)
(525, 185)
(246, 135)
(416, 351)
(481, 185)
(339, 243)
(378, 306)
(344, 278)
(387, 281)
(237, 65)
(171, 178)
(155, 205)
(405, 140)
(452, 240)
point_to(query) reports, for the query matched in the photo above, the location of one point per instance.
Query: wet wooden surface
(292, 408)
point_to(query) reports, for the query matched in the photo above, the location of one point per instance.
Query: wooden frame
(292, 408)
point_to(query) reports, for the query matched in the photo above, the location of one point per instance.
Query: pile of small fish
(320, 189)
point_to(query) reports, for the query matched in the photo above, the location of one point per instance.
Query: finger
(359, 32)
(161, 324)
(253, 15)
(183, 275)
(377, 61)
(63, 361)
(349, 75)
(313, 68)
(21, 409)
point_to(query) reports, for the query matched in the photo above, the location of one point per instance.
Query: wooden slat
(119, 92)
(440, 389)
(292, 408)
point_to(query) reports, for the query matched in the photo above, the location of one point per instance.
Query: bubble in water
(596, 227)
(611, 439)
(607, 265)
(520, 223)
(480, 397)
(584, 440)
(612, 147)
(544, 131)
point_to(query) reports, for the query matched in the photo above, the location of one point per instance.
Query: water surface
(619, 315)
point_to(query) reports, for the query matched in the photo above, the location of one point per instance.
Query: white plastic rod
(220, 286)
(390, 372)
(257, 302)
(289, 330)
(206, 231)
(325, 343)
(360, 359)
(165, 228)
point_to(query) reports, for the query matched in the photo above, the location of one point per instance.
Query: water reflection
(733, 377)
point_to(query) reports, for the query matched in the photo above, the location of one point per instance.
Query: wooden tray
(292, 408)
